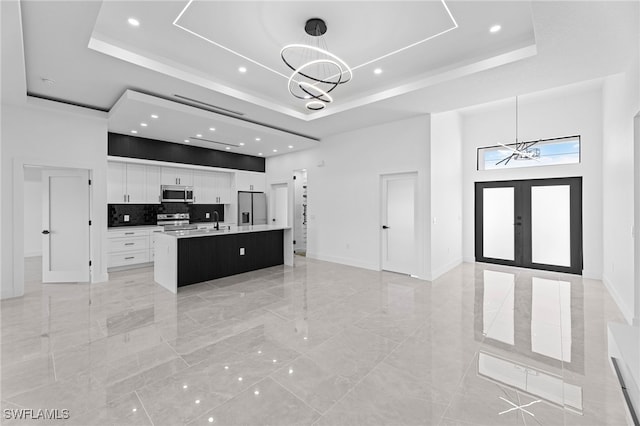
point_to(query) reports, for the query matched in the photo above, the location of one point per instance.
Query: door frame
(17, 234)
(383, 204)
(273, 187)
(522, 201)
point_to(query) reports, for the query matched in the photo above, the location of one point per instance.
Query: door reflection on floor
(537, 317)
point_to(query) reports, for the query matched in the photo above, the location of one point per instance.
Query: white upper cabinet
(223, 188)
(251, 181)
(176, 176)
(116, 183)
(203, 187)
(132, 183)
(211, 187)
(136, 184)
(140, 184)
(153, 185)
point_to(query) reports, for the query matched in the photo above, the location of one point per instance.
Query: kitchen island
(193, 256)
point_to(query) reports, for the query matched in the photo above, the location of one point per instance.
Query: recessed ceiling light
(133, 22)
(275, 150)
(186, 140)
(154, 116)
(258, 139)
(143, 124)
(198, 135)
(134, 131)
(290, 146)
(495, 28)
(228, 147)
(259, 153)
(242, 69)
(241, 143)
(213, 129)
(377, 71)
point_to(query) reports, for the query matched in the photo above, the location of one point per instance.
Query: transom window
(546, 152)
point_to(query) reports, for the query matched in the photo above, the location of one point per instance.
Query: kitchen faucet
(217, 217)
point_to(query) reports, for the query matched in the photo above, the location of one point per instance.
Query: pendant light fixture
(316, 71)
(522, 150)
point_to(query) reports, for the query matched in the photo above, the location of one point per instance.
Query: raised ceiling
(574, 41)
(205, 42)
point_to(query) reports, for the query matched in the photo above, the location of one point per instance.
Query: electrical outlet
(207, 215)
(241, 251)
(126, 218)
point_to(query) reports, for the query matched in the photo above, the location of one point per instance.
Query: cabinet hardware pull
(129, 233)
(129, 244)
(125, 198)
(130, 257)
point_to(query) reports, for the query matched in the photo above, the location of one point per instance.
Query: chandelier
(522, 150)
(316, 71)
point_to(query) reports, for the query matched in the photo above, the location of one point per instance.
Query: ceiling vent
(212, 141)
(217, 108)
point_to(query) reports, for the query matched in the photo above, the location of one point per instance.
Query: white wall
(344, 189)
(620, 105)
(52, 134)
(446, 192)
(32, 211)
(573, 110)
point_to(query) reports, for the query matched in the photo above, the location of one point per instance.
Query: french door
(530, 223)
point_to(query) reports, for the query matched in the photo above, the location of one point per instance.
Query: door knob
(46, 232)
(385, 227)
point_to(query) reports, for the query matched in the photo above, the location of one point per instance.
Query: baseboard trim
(100, 278)
(438, 272)
(619, 300)
(343, 261)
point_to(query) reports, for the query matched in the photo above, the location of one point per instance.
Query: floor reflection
(321, 344)
(538, 317)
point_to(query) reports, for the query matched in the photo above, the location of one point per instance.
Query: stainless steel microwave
(176, 194)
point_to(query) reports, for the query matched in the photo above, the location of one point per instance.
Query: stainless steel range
(175, 221)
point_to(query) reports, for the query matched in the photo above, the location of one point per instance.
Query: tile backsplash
(145, 214)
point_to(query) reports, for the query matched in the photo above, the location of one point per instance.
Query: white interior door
(65, 225)
(399, 223)
(280, 194)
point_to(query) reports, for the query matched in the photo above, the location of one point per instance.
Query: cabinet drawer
(126, 233)
(129, 258)
(117, 245)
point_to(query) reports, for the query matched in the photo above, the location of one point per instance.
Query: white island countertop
(190, 233)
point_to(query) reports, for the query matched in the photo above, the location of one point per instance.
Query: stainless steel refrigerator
(252, 208)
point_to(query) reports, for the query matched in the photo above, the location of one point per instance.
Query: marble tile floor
(319, 343)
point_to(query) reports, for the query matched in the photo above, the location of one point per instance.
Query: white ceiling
(574, 41)
(204, 42)
(143, 115)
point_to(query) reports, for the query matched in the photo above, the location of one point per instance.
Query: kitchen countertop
(133, 227)
(142, 227)
(232, 230)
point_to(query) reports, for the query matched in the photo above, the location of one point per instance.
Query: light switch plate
(241, 251)
(207, 215)
(126, 218)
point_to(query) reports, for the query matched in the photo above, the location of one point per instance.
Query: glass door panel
(551, 225)
(498, 215)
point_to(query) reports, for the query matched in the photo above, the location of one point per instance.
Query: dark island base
(207, 258)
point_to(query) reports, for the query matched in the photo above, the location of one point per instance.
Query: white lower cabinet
(131, 246)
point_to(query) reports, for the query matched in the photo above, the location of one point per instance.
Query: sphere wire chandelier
(316, 71)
